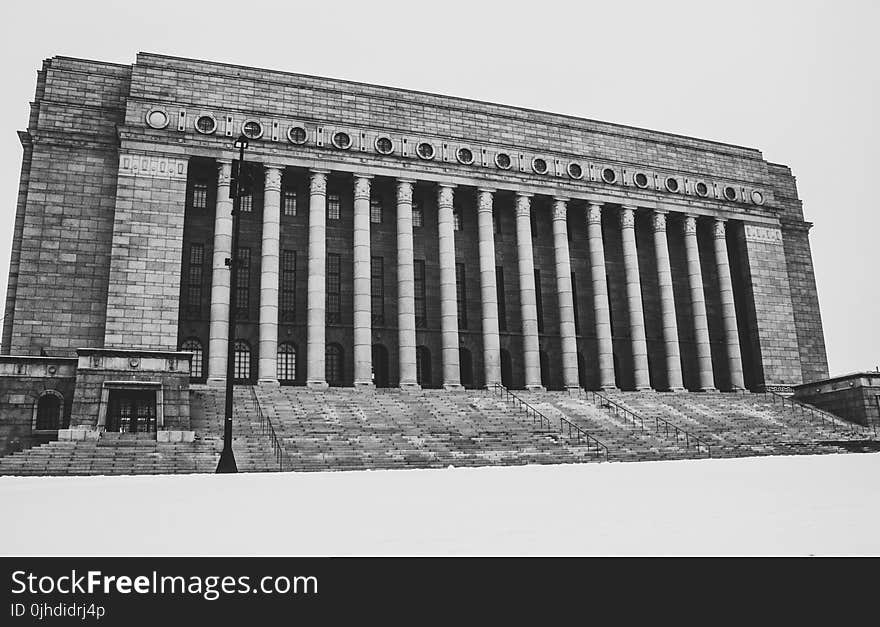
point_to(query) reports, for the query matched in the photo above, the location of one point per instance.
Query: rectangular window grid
(461, 295)
(574, 300)
(194, 280)
(375, 211)
(416, 214)
(243, 283)
(246, 203)
(456, 218)
(200, 196)
(377, 290)
(499, 291)
(419, 284)
(288, 285)
(334, 207)
(334, 308)
(289, 202)
(538, 301)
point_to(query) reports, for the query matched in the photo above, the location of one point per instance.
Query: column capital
(523, 204)
(560, 208)
(690, 224)
(273, 178)
(484, 200)
(224, 172)
(627, 217)
(444, 194)
(362, 186)
(720, 230)
(594, 213)
(404, 191)
(319, 181)
(659, 221)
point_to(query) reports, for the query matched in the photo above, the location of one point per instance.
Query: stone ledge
(78, 434)
(175, 436)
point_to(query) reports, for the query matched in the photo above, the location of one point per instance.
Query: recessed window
(297, 134)
(575, 170)
(377, 290)
(502, 160)
(729, 193)
(464, 155)
(425, 150)
(131, 411)
(288, 202)
(50, 408)
(539, 165)
(246, 204)
(499, 295)
(200, 196)
(702, 189)
(342, 140)
(461, 295)
(157, 118)
(242, 372)
(194, 281)
(609, 175)
(456, 217)
(640, 179)
(243, 284)
(334, 289)
(384, 145)
(334, 207)
(419, 293)
(206, 124)
(287, 297)
(194, 346)
(672, 184)
(376, 211)
(286, 368)
(333, 364)
(757, 197)
(252, 129)
(417, 213)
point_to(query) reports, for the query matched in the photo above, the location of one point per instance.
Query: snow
(800, 505)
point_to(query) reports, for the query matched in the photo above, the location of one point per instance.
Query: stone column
(641, 375)
(731, 331)
(489, 295)
(667, 303)
(406, 308)
(363, 321)
(601, 307)
(531, 347)
(269, 276)
(448, 294)
(698, 301)
(566, 300)
(218, 335)
(317, 289)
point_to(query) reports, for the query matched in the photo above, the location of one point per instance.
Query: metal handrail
(536, 416)
(266, 428)
(660, 424)
(813, 412)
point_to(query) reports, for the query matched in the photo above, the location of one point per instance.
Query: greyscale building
(392, 238)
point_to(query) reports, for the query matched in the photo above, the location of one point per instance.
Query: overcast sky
(797, 80)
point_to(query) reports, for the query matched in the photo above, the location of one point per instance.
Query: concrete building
(393, 238)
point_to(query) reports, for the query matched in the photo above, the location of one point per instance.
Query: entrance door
(380, 366)
(131, 411)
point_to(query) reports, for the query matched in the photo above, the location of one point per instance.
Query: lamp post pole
(227, 457)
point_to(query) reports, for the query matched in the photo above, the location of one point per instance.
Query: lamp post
(227, 458)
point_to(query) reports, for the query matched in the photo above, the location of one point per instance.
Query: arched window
(242, 362)
(334, 364)
(286, 362)
(423, 366)
(50, 409)
(192, 345)
(466, 367)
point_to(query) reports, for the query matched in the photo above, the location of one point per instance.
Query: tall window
(417, 213)
(538, 301)
(288, 202)
(377, 290)
(496, 223)
(334, 314)
(456, 217)
(193, 346)
(194, 281)
(533, 221)
(246, 203)
(423, 366)
(376, 210)
(334, 206)
(466, 367)
(333, 364)
(243, 283)
(288, 285)
(200, 196)
(286, 362)
(50, 406)
(242, 361)
(499, 292)
(419, 285)
(574, 300)
(461, 295)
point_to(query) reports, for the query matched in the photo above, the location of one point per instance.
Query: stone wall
(855, 397)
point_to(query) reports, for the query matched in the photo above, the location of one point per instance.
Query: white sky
(797, 80)
(801, 505)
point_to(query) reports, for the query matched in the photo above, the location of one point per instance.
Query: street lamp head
(241, 143)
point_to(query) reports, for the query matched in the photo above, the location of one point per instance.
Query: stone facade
(124, 219)
(855, 397)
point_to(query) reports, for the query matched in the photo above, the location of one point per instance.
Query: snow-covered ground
(821, 505)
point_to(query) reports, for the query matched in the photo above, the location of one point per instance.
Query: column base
(216, 382)
(409, 386)
(453, 387)
(572, 388)
(677, 390)
(317, 385)
(270, 382)
(644, 388)
(609, 388)
(707, 389)
(364, 385)
(738, 391)
(535, 388)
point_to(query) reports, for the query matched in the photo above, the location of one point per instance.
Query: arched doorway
(466, 367)
(380, 366)
(506, 369)
(49, 411)
(423, 366)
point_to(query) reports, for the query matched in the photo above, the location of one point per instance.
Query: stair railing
(813, 413)
(661, 425)
(565, 425)
(266, 428)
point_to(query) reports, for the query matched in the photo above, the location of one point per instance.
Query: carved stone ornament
(690, 225)
(659, 222)
(594, 214)
(560, 210)
(720, 229)
(523, 205)
(627, 219)
(273, 178)
(404, 192)
(318, 183)
(224, 173)
(484, 201)
(361, 187)
(444, 196)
